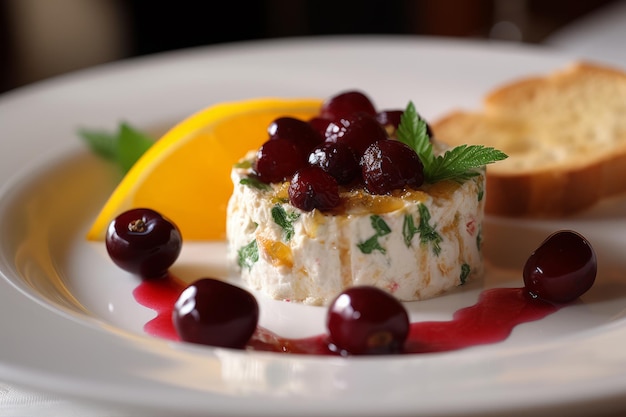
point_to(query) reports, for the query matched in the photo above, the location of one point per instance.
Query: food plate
(71, 325)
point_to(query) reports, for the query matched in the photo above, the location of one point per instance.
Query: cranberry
(295, 130)
(390, 119)
(215, 313)
(320, 125)
(143, 242)
(278, 159)
(358, 131)
(312, 188)
(367, 320)
(562, 269)
(389, 165)
(338, 159)
(343, 105)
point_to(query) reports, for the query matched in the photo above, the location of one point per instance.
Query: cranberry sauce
(490, 320)
(160, 296)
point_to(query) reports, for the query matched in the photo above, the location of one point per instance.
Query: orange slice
(185, 175)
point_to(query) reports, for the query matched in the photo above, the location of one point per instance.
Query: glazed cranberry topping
(390, 119)
(358, 131)
(143, 242)
(295, 130)
(337, 159)
(215, 313)
(345, 104)
(278, 159)
(320, 125)
(312, 188)
(389, 165)
(367, 320)
(562, 268)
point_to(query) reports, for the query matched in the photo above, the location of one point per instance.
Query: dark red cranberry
(366, 320)
(295, 130)
(338, 159)
(358, 131)
(143, 242)
(389, 165)
(562, 269)
(320, 125)
(390, 119)
(278, 159)
(312, 188)
(215, 313)
(344, 105)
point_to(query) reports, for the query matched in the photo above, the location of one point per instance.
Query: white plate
(68, 319)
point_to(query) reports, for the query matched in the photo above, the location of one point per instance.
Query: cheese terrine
(415, 244)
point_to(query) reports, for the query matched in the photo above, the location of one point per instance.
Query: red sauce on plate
(490, 320)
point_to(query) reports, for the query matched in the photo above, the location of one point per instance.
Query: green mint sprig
(123, 147)
(459, 163)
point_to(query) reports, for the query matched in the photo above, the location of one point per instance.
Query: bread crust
(565, 134)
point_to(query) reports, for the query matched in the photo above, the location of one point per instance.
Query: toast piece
(565, 134)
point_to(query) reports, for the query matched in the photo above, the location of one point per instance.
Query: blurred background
(43, 38)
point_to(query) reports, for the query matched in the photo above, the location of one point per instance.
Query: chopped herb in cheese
(428, 233)
(254, 183)
(465, 271)
(284, 220)
(381, 229)
(248, 255)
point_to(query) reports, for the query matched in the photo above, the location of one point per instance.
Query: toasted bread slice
(565, 134)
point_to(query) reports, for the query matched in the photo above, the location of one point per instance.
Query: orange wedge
(185, 175)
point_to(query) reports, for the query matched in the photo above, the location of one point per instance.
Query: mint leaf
(123, 147)
(459, 163)
(284, 220)
(248, 255)
(101, 143)
(413, 132)
(254, 183)
(131, 144)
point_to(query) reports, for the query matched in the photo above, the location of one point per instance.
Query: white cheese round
(416, 244)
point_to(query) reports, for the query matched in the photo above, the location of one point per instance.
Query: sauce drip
(490, 320)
